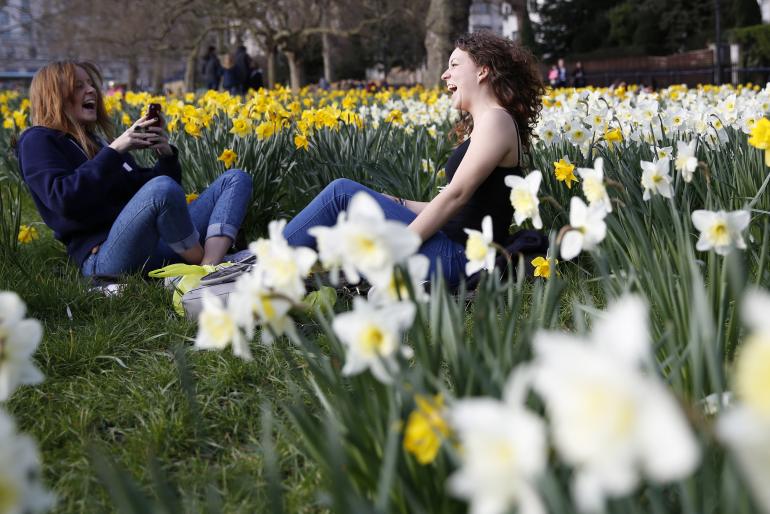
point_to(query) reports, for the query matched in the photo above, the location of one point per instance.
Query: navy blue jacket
(78, 197)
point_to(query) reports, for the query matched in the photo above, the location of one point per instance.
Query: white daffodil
(372, 336)
(503, 454)
(283, 267)
(524, 197)
(655, 178)
(217, 328)
(588, 228)
(661, 152)
(417, 267)
(21, 490)
(253, 302)
(593, 185)
(330, 252)
(370, 244)
(745, 427)
(720, 231)
(479, 248)
(19, 338)
(686, 162)
(611, 417)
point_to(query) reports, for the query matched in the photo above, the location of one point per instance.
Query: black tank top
(492, 197)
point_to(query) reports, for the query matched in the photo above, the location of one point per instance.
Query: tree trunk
(270, 65)
(295, 70)
(157, 74)
(191, 65)
(133, 72)
(327, 52)
(438, 45)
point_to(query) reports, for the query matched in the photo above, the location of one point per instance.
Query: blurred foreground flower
(27, 234)
(479, 248)
(372, 336)
(426, 428)
(611, 417)
(19, 338)
(503, 452)
(745, 427)
(720, 231)
(21, 490)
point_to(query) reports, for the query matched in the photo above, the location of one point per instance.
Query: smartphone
(153, 112)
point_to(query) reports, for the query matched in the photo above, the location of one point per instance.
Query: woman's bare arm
(494, 136)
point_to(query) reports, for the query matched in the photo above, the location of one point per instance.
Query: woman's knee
(163, 189)
(237, 178)
(343, 187)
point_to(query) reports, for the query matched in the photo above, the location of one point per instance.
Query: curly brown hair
(514, 76)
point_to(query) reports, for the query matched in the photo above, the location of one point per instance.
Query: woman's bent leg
(324, 209)
(219, 211)
(450, 254)
(157, 211)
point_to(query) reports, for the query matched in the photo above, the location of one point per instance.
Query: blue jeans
(157, 224)
(324, 209)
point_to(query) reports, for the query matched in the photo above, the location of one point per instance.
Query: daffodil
(426, 428)
(228, 157)
(372, 336)
(686, 162)
(542, 266)
(300, 142)
(479, 248)
(587, 228)
(27, 234)
(395, 116)
(19, 338)
(241, 127)
(593, 185)
(613, 136)
(611, 418)
(564, 171)
(191, 197)
(503, 455)
(760, 137)
(720, 231)
(524, 197)
(656, 178)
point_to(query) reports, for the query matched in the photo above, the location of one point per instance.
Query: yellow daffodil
(613, 136)
(395, 117)
(760, 137)
(228, 157)
(300, 142)
(20, 119)
(241, 127)
(542, 267)
(426, 428)
(27, 234)
(8, 123)
(125, 119)
(565, 172)
(191, 197)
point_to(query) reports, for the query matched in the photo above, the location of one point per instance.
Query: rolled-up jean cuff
(186, 243)
(221, 229)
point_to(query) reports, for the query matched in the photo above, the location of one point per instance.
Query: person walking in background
(242, 68)
(256, 79)
(578, 75)
(561, 79)
(229, 78)
(212, 69)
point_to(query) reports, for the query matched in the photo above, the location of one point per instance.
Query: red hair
(52, 87)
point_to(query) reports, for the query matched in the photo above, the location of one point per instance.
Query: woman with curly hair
(496, 85)
(114, 215)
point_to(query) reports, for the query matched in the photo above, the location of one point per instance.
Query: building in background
(504, 17)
